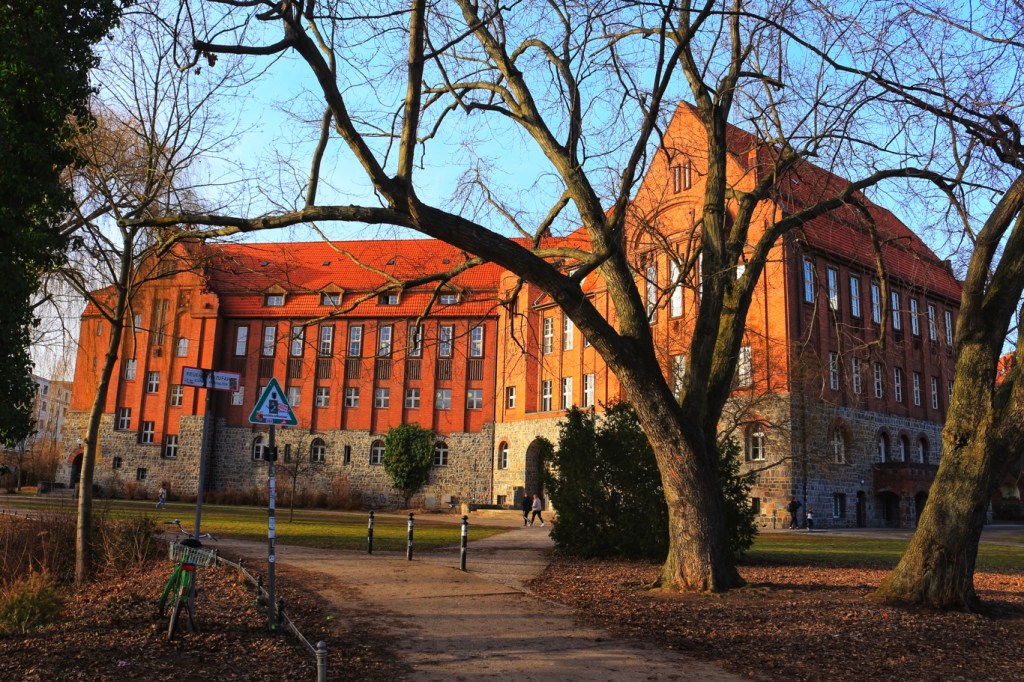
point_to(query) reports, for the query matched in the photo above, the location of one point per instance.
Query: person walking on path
(526, 505)
(161, 497)
(538, 506)
(793, 507)
(810, 519)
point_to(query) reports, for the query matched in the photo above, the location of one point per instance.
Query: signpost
(218, 381)
(271, 409)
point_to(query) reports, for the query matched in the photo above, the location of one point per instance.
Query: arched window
(440, 454)
(377, 452)
(503, 456)
(755, 442)
(317, 450)
(922, 450)
(903, 449)
(883, 448)
(838, 447)
(259, 448)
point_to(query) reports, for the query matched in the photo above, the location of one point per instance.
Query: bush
(28, 604)
(605, 484)
(408, 456)
(126, 543)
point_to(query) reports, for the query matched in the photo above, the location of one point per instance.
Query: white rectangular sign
(205, 378)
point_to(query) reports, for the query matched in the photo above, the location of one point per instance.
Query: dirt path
(481, 624)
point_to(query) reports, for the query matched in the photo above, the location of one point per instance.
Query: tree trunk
(937, 568)
(698, 559)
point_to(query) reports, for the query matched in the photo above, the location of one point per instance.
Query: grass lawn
(824, 549)
(309, 528)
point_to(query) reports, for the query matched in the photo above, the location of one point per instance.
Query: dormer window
(327, 298)
(274, 300)
(448, 299)
(387, 299)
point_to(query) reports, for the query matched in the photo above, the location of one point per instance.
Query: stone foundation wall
(519, 478)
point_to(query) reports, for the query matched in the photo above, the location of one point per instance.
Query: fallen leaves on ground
(804, 623)
(110, 631)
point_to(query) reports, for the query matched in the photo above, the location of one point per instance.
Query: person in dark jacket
(526, 504)
(793, 507)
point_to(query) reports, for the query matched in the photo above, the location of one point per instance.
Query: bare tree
(587, 87)
(139, 159)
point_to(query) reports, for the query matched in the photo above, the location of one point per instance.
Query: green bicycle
(179, 593)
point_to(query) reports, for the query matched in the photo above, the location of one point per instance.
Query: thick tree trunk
(698, 559)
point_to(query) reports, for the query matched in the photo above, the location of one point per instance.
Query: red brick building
(841, 389)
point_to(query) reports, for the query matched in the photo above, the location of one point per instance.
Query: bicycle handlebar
(183, 531)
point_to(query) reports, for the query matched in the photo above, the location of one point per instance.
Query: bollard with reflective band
(465, 542)
(321, 661)
(369, 535)
(408, 552)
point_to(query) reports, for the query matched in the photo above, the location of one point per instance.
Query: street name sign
(205, 378)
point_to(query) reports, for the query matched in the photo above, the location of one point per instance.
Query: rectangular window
(298, 341)
(675, 302)
(677, 179)
(838, 505)
(808, 281)
(238, 397)
(744, 368)
(948, 316)
(415, 341)
(566, 393)
(855, 375)
(833, 288)
(124, 418)
(352, 396)
(148, 430)
(440, 455)
(510, 397)
(443, 399)
(678, 375)
(130, 368)
(322, 398)
(182, 347)
(327, 298)
(876, 303)
(879, 388)
(241, 340)
(137, 323)
(588, 390)
(116, 463)
(171, 446)
(326, 346)
(474, 399)
(387, 299)
(448, 299)
(652, 291)
(545, 395)
(294, 396)
(346, 455)
(897, 384)
(382, 398)
(547, 335)
(444, 346)
(833, 371)
(915, 323)
(568, 333)
(355, 341)
(177, 395)
(275, 300)
(384, 341)
(412, 398)
(476, 342)
(687, 176)
(269, 341)
(897, 322)
(935, 393)
(140, 474)
(152, 382)
(377, 452)
(855, 296)
(917, 388)
(503, 456)
(933, 334)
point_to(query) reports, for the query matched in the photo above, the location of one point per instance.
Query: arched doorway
(862, 509)
(534, 465)
(76, 469)
(889, 506)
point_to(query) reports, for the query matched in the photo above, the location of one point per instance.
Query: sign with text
(272, 407)
(206, 378)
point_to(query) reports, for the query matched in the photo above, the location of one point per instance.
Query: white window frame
(318, 451)
(177, 395)
(325, 347)
(377, 452)
(745, 367)
(259, 448)
(382, 397)
(181, 348)
(351, 396)
(855, 378)
(675, 301)
(440, 454)
(566, 393)
(879, 377)
(833, 371)
(171, 446)
(147, 432)
(855, 296)
(567, 333)
(274, 300)
(241, 340)
(269, 344)
(915, 323)
(897, 320)
(547, 335)
(510, 397)
(876, 303)
(589, 380)
(756, 444)
(131, 367)
(322, 397)
(294, 396)
(412, 398)
(502, 459)
(152, 382)
(238, 397)
(474, 398)
(808, 280)
(833, 288)
(897, 384)
(124, 418)
(385, 334)
(298, 342)
(917, 388)
(476, 342)
(355, 341)
(446, 340)
(933, 332)
(935, 392)
(545, 395)
(443, 399)
(948, 317)
(651, 288)
(415, 341)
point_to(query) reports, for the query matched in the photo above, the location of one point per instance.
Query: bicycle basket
(192, 555)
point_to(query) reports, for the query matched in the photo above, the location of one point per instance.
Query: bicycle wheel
(180, 602)
(175, 612)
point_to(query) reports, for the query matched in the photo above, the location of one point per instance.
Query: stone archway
(534, 464)
(76, 469)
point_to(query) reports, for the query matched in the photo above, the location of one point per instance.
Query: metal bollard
(369, 535)
(408, 552)
(465, 541)
(321, 661)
